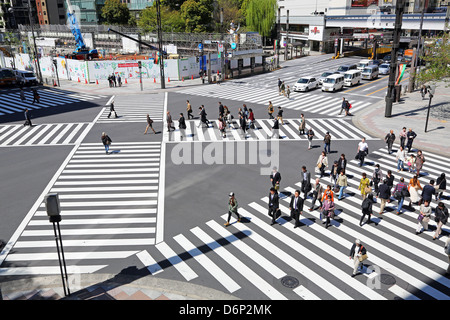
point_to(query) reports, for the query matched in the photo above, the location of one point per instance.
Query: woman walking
(441, 186)
(222, 127)
(401, 157)
(358, 253)
(310, 134)
(149, 125)
(364, 186)
(328, 211)
(413, 188)
(106, 140)
(232, 208)
(410, 161)
(251, 119)
(366, 209)
(322, 163)
(424, 217)
(441, 218)
(302, 126)
(420, 160)
(341, 183)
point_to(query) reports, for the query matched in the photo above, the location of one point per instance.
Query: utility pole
(412, 79)
(161, 56)
(287, 36)
(34, 42)
(278, 36)
(390, 95)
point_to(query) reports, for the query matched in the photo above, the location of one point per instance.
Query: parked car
(333, 83)
(306, 84)
(384, 68)
(25, 77)
(370, 72)
(347, 67)
(326, 74)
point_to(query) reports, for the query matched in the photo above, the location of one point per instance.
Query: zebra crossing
(339, 129)
(252, 256)
(43, 134)
(11, 103)
(322, 104)
(135, 110)
(108, 208)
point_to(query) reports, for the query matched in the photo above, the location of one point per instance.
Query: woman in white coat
(322, 163)
(401, 157)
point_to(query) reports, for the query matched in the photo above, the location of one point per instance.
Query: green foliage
(171, 20)
(197, 15)
(116, 13)
(172, 4)
(437, 59)
(261, 15)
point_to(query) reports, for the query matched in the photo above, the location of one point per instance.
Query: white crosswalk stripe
(135, 110)
(107, 213)
(339, 129)
(42, 134)
(49, 97)
(260, 255)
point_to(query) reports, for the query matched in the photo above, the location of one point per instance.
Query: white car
(384, 68)
(306, 84)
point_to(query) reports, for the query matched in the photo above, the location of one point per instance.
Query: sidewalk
(411, 112)
(107, 287)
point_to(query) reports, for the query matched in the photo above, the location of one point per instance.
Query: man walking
(310, 135)
(279, 86)
(111, 110)
(169, 122)
(306, 182)
(270, 110)
(343, 105)
(36, 96)
(384, 195)
(327, 142)
(302, 126)
(390, 139)
(411, 135)
(243, 125)
(275, 178)
(399, 193)
(363, 151)
(358, 253)
(280, 115)
(182, 125)
(203, 118)
(276, 129)
(221, 109)
(274, 206)
(149, 125)
(189, 110)
(27, 118)
(403, 137)
(296, 207)
(317, 194)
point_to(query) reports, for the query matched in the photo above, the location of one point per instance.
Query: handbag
(363, 257)
(367, 190)
(420, 217)
(277, 186)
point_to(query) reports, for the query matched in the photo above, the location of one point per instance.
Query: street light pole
(287, 36)
(412, 81)
(34, 42)
(161, 57)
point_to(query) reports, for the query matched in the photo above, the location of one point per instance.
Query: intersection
(138, 211)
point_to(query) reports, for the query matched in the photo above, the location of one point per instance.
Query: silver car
(306, 84)
(384, 68)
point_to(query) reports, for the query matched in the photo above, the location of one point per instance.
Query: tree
(261, 15)
(231, 12)
(115, 12)
(173, 4)
(437, 61)
(197, 15)
(171, 20)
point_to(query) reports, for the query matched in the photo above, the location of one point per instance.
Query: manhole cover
(289, 282)
(387, 279)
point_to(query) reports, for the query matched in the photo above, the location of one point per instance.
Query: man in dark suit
(274, 205)
(384, 194)
(306, 182)
(390, 139)
(203, 116)
(275, 178)
(182, 125)
(411, 135)
(342, 163)
(276, 129)
(221, 109)
(243, 125)
(296, 207)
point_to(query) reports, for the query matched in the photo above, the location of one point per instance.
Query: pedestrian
(310, 135)
(441, 186)
(411, 162)
(424, 217)
(328, 194)
(389, 139)
(169, 122)
(384, 195)
(327, 142)
(364, 187)
(413, 188)
(113, 77)
(27, 118)
(322, 163)
(288, 92)
(334, 173)
(377, 176)
(317, 195)
(280, 115)
(302, 126)
(390, 179)
(119, 80)
(306, 182)
(366, 209)
(420, 160)
(274, 206)
(427, 192)
(348, 106)
(22, 95)
(270, 110)
(342, 183)
(342, 163)
(251, 119)
(221, 109)
(243, 125)
(149, 125)
(363, 151)
(358, 253)
(189, 110)
(327, 211)
(400, 192)
(423, 91)
(245, 111)
(401, 157)
(36, 96)
(232, 208)
(276, 129)
(411, 135)
(441, 218)
(447, 251)
(279, 86)
(110, 81)
(283, 89)
(203, 115)
(111, 110)
(106, 140)
(403, 137)
(343, 105)
(296, 207)
(222, 127)
(275, 178)
(182, 126)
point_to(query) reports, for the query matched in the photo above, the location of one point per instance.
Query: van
(364, 63)
(333, 83)
(352, 77)
(370, 72)
(25, 77)
(346, 67)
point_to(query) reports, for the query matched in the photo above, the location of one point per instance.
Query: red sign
(315, 30)
(127, 65)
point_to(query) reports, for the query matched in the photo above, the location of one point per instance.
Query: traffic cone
(154, 80)
(79, 79)
(192, 77)
(85, 80)
(168, 79)
(54, 83)
(126, 80)
(96, 81)
(182, 78)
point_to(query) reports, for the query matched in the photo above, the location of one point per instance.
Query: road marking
(176, 261)
(147, 260)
